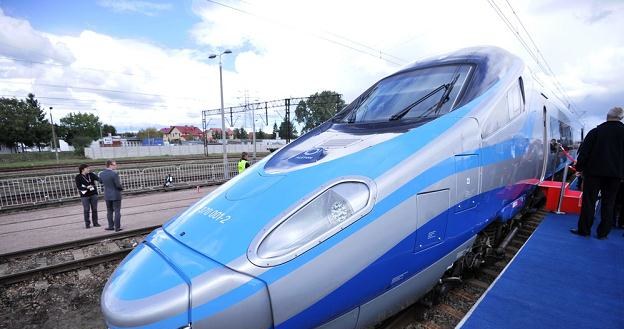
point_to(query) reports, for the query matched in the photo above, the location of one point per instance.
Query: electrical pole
(226, 171)
(54, 137)
(253, 124)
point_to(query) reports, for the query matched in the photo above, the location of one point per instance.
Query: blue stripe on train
(375, 279)
(429, 177)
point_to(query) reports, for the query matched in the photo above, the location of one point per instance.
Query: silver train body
(362, 216)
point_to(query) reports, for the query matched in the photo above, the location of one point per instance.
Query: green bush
(37, 157)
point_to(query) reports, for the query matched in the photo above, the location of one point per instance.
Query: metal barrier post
(563, 184)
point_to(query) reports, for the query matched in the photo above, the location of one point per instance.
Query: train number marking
(214, 214)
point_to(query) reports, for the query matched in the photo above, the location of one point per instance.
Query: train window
(412, 95)
(521, 83)
(514, 101)
(555, 135)
(498, 118)
(566, 135)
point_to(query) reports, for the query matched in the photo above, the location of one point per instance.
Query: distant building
(178, 134)
(111, 141)
(213, 133)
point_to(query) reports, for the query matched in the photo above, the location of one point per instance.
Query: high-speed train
(416, 181)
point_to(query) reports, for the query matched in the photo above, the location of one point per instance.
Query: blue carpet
(558, 280)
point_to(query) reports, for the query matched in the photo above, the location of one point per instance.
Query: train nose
(146, 290)
(164, 284)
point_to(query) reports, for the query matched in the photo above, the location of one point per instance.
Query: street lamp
(54, 137)
(226, 171)
(99, 124)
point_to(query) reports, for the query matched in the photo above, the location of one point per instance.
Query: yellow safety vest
(241, 166)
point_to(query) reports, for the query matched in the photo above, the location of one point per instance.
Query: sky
(145, 63)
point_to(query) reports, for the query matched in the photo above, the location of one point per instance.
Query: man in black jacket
(601, 161)
(85, 182)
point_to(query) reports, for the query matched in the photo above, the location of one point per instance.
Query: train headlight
(320, 217)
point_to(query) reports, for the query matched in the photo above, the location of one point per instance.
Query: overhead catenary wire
(355, 42)
(373, 52)
(71, 99)
(51, 85)
(539, 52)
(535, 53)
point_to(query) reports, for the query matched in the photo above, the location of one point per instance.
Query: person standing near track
(112, 195)
(243, 163)
(601, 162)
(85, 182)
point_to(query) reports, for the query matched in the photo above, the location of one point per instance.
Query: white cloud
(18, 39)
(143, 7)
(291, 49)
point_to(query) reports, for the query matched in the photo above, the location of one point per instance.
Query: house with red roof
(215, 133)
(177, 134)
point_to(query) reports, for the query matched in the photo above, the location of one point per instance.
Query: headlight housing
(318, 217)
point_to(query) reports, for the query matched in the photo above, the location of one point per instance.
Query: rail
(28, 191)
(34, 255)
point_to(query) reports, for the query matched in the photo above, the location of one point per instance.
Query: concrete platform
(557, 280)
(51, 225)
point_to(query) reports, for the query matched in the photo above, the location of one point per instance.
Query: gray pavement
(52, 225)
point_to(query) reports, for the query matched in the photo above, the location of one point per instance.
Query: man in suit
(112, 195)
(601, 162)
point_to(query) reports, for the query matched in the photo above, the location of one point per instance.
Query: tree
(9, 122)
(108, 129)
(243, 133)
(318, 108)
(23, 122)
(149, 133)
(284, 130)
(275, 130)
(261, 134)
(79, 124)
(80, 142)
(37, 125)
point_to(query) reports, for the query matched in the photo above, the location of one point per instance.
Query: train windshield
(413, 95)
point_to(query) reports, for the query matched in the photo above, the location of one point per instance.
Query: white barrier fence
(144, 151)
(20, 192)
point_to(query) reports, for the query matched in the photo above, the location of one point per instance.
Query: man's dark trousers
(89, 204)
(608, 186)
(113, 206)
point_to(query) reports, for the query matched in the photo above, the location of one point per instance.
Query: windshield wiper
(445, 97)
(352, 116)
(447, 91)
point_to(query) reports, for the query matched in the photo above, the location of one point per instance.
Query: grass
(39, 159)
(33, 159)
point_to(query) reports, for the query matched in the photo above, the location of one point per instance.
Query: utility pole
(253, 121)
(287, 119)
(226, 171)
(253, 124)
(54, 137)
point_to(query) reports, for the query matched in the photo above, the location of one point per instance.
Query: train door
(467, 182)
(432, 218)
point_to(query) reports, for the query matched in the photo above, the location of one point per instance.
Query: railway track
(68, 256)
(449, 310)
